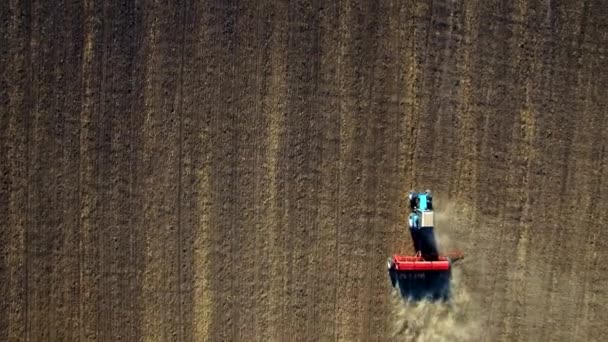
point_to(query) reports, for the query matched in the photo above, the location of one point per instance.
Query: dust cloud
(436, 321)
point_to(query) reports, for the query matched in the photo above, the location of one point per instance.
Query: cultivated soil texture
(237, 170)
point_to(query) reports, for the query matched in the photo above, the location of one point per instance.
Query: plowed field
(237, 170)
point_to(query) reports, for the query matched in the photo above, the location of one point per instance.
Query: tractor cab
(421, 201)
(421, 224)
(421, 205)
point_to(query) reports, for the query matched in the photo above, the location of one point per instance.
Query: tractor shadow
(418, 286)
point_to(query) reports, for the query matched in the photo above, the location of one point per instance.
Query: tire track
(160, 280)
(592, 285)
(193, 182)
(90, 108)
(503, 98)
(337, 311)
(414, 56)
(387, 196)
(223, 175)
(419, 76)
(203, 114)
(347, 255)
(586, 136)
(233, 315)
(67, 128)
(56, 130)
(260, 250)
(304, 158)
(274, 108)
(596, 289)
(217, 74)
(374, 161)
(586, 175)
(315, 169)
(561, 95)
(47, 227)
(287, 318)
(261, 275)
(529, 189)
(327, 92)
(121, 141)
(152, 280)
(357, 175)
(465, 126)
(107, 180)
(246, 138)
(135, 147)
(431, 20)
(4, 191)
(5, 79)
(448, 35)
(527, 135)
(193, 207)
(134, 212)
(595, 182)
(297, 118)
(14, 170)
(180, 158)
(103, 311)
(408, 67)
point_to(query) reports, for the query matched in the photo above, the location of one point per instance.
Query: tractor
(426, 274)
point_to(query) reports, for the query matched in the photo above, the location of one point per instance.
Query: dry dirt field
(237, 170)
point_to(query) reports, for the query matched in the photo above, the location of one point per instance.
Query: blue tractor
(421, 223)
(427, 274)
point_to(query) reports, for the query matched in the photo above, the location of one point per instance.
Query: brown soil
(236, 170)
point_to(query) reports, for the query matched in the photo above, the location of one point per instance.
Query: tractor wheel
(393, 275)
(391, 271)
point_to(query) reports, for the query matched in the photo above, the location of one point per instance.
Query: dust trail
(434, 321)
(457, 320)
